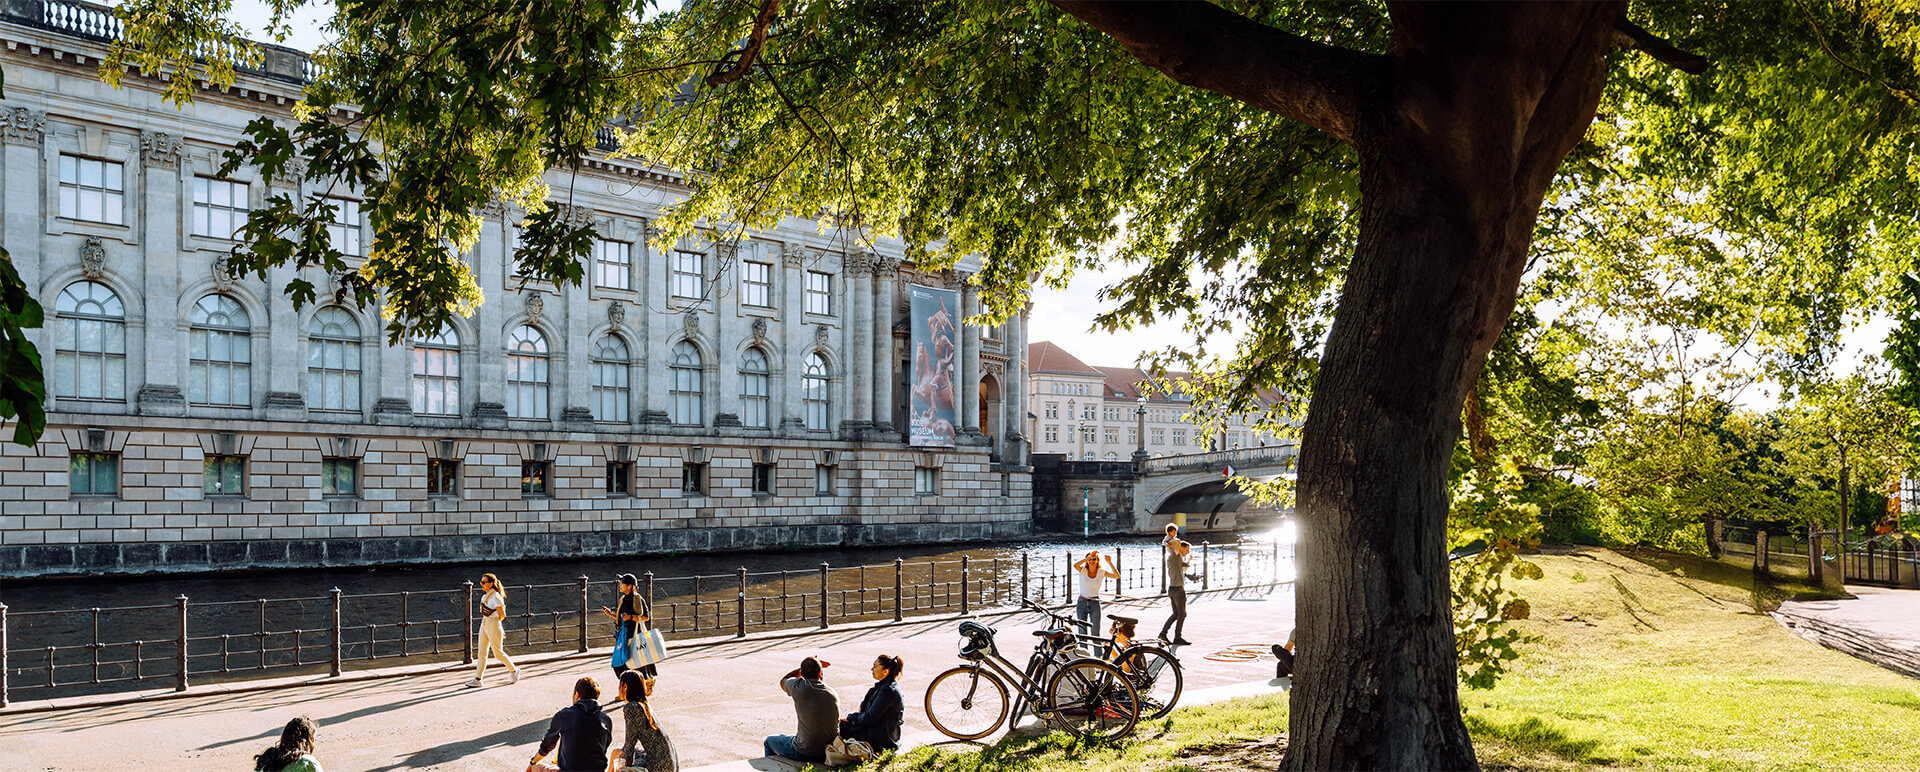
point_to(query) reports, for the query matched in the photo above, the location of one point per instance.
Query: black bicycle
(1154, 671)
(1085, 696)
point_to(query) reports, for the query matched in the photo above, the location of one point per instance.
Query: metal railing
(97, 23)
(1265, 457)
(80, 651)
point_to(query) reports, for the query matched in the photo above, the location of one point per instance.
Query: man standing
(818, 709)
(1176, 570)
(581, 730)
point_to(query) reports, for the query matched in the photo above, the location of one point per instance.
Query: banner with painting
(934, 318)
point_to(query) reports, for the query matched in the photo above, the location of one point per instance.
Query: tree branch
(1634, 36)
(751, 51)
(1205, 46)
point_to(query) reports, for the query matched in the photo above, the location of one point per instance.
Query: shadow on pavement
(458, 749)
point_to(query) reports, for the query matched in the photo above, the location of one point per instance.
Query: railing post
(966, 603)
(1024, 591)
(1206, 567)
(1120, 581)
(3, 655)
(583, 613)
(823, 596)
(899, 575)
(1239, 566)
(467, 648)
(334, 643)
(740, 623)
(646, 586)
(180, 679)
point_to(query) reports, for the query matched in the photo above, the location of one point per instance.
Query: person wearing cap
(818, 709)
(633, 610)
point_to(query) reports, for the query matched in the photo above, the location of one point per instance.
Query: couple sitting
(583, 732)
(877, 723)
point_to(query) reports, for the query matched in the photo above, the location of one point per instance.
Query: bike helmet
(979, 640)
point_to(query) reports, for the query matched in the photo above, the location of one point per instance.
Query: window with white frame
(1087, 413)
(613, 264)
(89, 343)
(1086, 434)
(92, 190)
(220, 353)
(684, 367)
(819, 293)
(1053, 410)
(526, 373)
(333, 360)
(756, 284)
(689, 274)
(219, 207)
(1112, 436)
(1180, 438)
(612, 367)
(436, 374)
(754, 381)
(1157, 436)
(345, 231)
(814, 392)
(823, 475)
(926, 480)
(1133, 436)
(1053, 434)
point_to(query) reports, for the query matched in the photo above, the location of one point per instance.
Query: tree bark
(1481, 105)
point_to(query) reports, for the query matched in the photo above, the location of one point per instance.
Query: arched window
(813, 392)
(436, 374)
(220, 353)
(333, 361)
(90, 343)
(526, 373)
(753, 388)
(684, 365)
(611, 369)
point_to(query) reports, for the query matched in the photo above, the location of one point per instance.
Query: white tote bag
(646, 647)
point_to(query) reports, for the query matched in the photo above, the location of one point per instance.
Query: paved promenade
(716, 701)
(1879, 625)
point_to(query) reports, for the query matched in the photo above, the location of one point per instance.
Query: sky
(1065, 316)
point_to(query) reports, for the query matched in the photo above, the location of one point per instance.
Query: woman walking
(647, 748)
(632, 611)
(294, 752)
(493, 636)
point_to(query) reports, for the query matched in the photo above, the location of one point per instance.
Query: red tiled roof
(1044, 357)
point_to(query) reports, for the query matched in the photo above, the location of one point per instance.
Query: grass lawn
(1649, 662)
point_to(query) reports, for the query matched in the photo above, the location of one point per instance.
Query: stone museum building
(702, 396)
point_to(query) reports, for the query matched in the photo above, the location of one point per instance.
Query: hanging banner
(934, 318)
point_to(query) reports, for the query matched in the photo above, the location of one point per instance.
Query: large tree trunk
(1481, 105)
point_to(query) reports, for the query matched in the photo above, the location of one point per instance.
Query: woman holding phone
(631, 610)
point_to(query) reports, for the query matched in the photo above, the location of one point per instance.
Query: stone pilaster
(969, 407)
(483, 367)
(160, 219)
(858, 358)
(884, 269)
(799, 337)
(23, 212)
(655, 328)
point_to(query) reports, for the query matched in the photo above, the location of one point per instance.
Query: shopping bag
(843, 751)
(646, 647)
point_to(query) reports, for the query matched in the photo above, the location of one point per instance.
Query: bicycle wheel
(966, 702)
(1156, 675)
(1092, 698)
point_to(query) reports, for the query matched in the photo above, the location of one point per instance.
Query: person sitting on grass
(818, 709)
(581, 730)
(882, 711)
(647, 747)
(294, 752)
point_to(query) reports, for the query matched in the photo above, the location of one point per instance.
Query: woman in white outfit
(493, 637)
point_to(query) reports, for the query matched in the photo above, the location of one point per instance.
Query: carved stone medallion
(820, 334)
(616, 314)
(222, 277)
(691, 322)
(535, 305)
(760, 328)
(93, 259)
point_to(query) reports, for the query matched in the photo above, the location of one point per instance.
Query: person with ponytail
(493, 635)
(883, 709)
(294, 752)
(647, 748)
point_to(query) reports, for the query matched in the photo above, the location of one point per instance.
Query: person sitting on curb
(818, 709)
(294, 752)
(882, 711)
(581, 730)
(647, 747)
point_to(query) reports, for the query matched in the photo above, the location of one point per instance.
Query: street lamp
(1083, 440)
(1140, 431)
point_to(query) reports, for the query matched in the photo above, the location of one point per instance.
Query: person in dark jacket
(581, 730)
(883, 709)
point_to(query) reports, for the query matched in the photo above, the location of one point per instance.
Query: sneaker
(473, 684)
(514, 677)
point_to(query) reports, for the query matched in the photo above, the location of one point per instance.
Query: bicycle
(1155, 672)
(1085, 696)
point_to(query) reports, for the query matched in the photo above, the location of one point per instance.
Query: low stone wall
(47, 560)
(1057, 499)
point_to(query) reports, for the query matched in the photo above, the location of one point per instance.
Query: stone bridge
(1196, 483)
(1142, 497)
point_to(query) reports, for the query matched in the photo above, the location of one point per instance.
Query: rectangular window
(1180, 438)
(1133, 436)
(926, 481)
(613, 264)
(693, 479)
(1086, 434)
(225, 476)
(756, 284)
(1087, 413)
(533, 478)
(1053, 434)
(339, 477)
(1112, 436)
(763, 478)
(1053, 410)
(819, 293)
(619, 476)
(219, 207)
(1112, 413)
(1233, 439)
(689, 274)
(344, 232)
(443, 477)
(1157, 436)
(91, 190)
(823, 480)
(93, 474)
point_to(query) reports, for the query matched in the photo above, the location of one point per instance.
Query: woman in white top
(1091, 573)
(493, 637)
